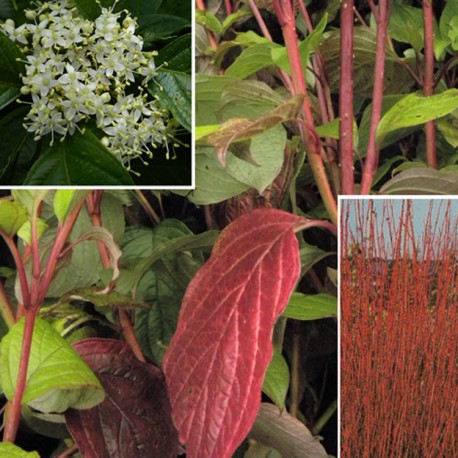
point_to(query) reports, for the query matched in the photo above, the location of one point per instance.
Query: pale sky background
(420, 208)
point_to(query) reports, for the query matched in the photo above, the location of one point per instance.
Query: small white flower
(79, 69)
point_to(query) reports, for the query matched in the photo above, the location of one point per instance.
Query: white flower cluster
(77, 69)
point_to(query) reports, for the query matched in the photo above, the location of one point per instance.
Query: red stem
(14, 412)
(428, 81)
(372, 155)
(228, 6)
(63, 231)
(7, 311)
(36, 268)
(20, 268)
(94, 201)
(346, 97)
(310, 138)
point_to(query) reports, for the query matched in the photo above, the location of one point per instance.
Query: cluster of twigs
(399, 322)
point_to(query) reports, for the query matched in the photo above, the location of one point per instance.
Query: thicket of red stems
(399, 331)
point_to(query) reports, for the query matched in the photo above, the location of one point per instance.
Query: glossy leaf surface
(134, 420)
(217, 359)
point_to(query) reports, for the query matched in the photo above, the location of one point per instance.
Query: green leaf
(10, 62)
(57, 378)
(414, 109)
(252, 60)
(267, 150)
(449, 129)
(84, 268)
(390, 138)
(80, 160)
(177, 54)
(162, 286)
(213, 183)
(276, 381)
(159, 26)
(173, 89)
(102, 234)
(17, 147)
(7, 449)
(242, 129)
(406, 25)
(397, 79)
(247, 99)
(311, 307)
(310, 255)
(422, 181)
(209, 21)
(65, 200)
(8, 93)
(183, 243)
(306, 47)
(25, 232)
(89, 9)
(12, 216)
(448, 25)
(208, 90)
(138, 8)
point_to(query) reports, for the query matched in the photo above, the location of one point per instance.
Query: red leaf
(134, 419)
(217, 359)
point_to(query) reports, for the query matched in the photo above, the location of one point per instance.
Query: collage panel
(96, 93)
(398, 326)
(180, 275)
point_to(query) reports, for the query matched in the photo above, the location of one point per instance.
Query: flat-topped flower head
(79, 69)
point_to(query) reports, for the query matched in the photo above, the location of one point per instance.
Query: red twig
(428, 80)
(346, 97)
(14, 411)
(228, 6)
(7, 311)
(286, 18)
(372, 155)
(20, 268)
(94, 201)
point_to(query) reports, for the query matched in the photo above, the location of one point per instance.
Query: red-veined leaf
(134, 419)
(217, 359)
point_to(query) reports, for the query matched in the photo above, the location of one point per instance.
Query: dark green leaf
(8, 93)
(79, 160)
(17, 148)
(182, 9)
(397, 79)
(138, 8)
(158, 26)
(9, 63)
(90, 9)
(173, 89)
(177, 55)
